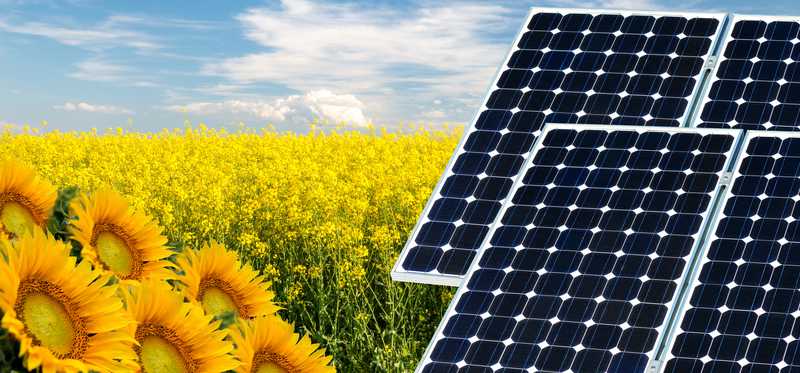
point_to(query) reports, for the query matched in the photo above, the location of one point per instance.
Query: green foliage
(59, 221)
(376, 326)
(9, 354)
(226, 319)
(323, 216)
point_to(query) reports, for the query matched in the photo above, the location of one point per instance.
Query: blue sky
(147, 65)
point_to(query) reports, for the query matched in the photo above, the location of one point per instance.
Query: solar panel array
(743, 310)
(617, 244)
(756, 84)
(574, 66)
(581, 271)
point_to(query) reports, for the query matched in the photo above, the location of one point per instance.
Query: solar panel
(743, 310)
(580, 272)
(566, 66)
(756, 82)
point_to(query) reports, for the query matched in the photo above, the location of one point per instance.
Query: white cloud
(615, 4)
(434, 114)
(99, 70)
(628, 4)
(298, 109)
(145, 84)
(91, 108)
(162, 22)
(103, 36)
(144, 35)
(224, 90)
(116, 31)
(310, 45)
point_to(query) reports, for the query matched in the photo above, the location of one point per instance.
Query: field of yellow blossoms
(200, 250)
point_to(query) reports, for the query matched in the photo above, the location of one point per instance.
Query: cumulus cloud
(307, 45)
(300, 109)
(91, 108)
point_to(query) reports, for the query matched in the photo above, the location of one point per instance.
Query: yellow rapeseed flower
(341, 204)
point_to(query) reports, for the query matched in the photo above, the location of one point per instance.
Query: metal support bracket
(711, 62)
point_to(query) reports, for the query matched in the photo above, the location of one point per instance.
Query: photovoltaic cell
(745, 303)
(580, 272)
(566, 66)
(756, 83)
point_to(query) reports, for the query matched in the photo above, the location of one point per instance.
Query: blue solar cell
(685, 66)
(745, 303)
(752, 86)
(749, 29)
(597, 42)
(588, 254)
(653, 64)
(524, 59)
(741, 49)
(545, 21)
(568, 41)
(614, 68)
(606, 23)
(638, 24)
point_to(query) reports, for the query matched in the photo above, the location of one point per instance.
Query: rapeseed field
(321, 215)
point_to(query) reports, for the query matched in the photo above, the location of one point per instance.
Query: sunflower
(117, 239)
(26, 199)
(270, 345)
(173, 335)
(66, 317)
(215, 279)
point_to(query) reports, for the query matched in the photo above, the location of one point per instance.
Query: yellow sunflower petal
(215, 279)
(117, 239)
(269, 344)
(50, 307)
(175, 336)
(26, 200)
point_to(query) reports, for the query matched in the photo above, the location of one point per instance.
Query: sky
(147, 65)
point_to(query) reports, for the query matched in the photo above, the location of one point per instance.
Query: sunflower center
(115, 252)
(161, 350)
(216, 301)
(218, 296)
(158, 355)
(17, 219)
(49, 318)
(270, 367)
(270, 362)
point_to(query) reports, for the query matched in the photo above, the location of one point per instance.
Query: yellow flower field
(322, 216)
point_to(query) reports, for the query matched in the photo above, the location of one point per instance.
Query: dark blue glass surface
(743, 310)
(566, 68)
(580, 271)
(754, 87)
